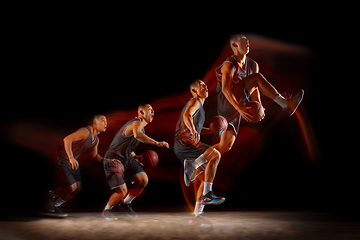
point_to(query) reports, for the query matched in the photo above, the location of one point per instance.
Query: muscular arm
(192, 107)
(228, 71)
(68, 140)
(142, 137)
(227, 75)
(95, 153)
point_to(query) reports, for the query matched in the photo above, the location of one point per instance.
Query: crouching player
(199, 159)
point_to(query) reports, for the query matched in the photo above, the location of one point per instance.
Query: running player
(197, 157)
(239, 81)
(83, 140)
(122, 146)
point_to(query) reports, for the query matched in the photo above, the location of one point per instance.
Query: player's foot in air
(108, 215)
(294, 102)
(127, 209)
(211, 199)
(189, 171)
(201, 221)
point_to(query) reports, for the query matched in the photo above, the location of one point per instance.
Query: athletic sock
(107, 207)
(199, 161)
(207, 187)
(199, 208)
(58, 202)
(129, 199)
(281, 101)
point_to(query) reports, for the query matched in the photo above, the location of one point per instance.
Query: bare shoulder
(192, 107)
(194, 102)
(80, 134)
(131, 127)
(227, 67)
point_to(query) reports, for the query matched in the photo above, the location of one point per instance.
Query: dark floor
(176, 225)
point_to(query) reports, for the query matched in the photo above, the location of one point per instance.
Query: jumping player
(197, 157)
(239, 81)
(83, 140)
(128, 137)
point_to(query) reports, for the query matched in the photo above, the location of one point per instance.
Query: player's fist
(162, 144)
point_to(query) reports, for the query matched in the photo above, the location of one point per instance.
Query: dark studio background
(62, 73)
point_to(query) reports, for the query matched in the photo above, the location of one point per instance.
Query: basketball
(149, 158)
(217, 124)
(256, 110)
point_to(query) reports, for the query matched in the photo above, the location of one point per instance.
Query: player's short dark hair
(234, 37)
(194, 84)
(97, 116)
(142, 106)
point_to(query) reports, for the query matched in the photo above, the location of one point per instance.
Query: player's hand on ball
(242, 110)
(162, 144)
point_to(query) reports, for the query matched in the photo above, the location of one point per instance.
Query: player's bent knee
(78, 187)
(141, 179)
(122, 189)
(254, 78)
(227, 147)
(216, 155)
(144, 181)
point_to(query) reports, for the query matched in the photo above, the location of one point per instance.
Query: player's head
(199, 89)
(146, 112)
(100, 123)
(239, 44)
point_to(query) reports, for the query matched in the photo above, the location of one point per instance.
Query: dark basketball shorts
(233, 123)
(185, 150)
(226, 110)
(117, 174)
(66, 175)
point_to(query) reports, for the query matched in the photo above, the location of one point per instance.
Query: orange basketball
(256, 110)
(217, 124)
(149, 158)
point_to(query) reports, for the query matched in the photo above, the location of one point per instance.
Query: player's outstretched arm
(142, 137)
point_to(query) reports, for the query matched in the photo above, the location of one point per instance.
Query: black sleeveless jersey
(82, 146)
(181, 131)
(238, 86)
(122, 146)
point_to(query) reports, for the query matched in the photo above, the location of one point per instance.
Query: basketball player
(83, 140)
(121, 148)
(197, 157)
(239, 81)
